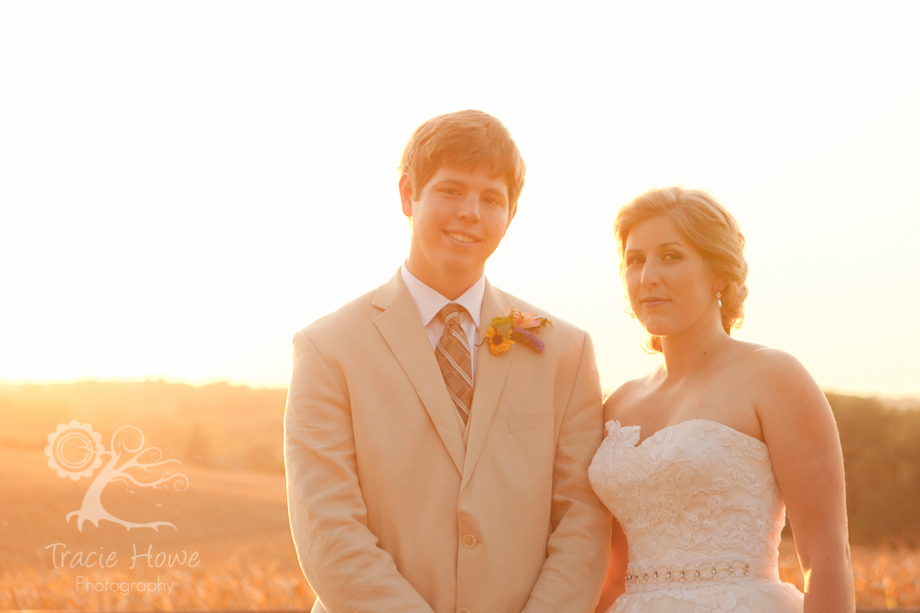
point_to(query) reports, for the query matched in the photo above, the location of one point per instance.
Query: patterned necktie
(453, 354)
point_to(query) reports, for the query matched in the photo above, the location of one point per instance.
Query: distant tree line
(881, 455)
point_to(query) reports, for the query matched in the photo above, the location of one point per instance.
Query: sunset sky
(184, 185)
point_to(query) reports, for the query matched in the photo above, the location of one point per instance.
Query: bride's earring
(719, 298)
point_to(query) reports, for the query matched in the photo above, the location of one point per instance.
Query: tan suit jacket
(390, 511)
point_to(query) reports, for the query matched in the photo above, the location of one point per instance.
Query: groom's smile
(462, 237)
(458, 220)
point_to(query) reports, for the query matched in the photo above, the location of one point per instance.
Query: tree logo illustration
(75, 451)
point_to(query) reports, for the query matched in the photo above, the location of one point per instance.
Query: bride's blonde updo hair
(712, 231)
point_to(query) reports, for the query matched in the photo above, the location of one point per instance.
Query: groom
(430, 468)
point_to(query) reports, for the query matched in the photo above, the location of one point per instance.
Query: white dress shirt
(429, 303)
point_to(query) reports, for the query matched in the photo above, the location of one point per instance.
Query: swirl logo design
(75, 451)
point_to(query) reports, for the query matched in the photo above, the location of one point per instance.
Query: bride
(705, 454)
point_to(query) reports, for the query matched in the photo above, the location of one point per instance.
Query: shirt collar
(429, 302)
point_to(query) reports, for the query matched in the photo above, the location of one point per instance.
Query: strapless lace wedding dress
(702, 515)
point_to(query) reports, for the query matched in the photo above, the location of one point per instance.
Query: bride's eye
(671, 256)
(635, 260)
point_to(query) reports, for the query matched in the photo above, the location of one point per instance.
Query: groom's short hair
(468, 140)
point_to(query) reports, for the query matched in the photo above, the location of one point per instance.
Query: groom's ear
(405, 194)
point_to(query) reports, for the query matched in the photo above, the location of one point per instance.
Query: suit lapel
(491, 372)
(401, 327)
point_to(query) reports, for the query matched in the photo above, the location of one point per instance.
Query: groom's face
(458, 220)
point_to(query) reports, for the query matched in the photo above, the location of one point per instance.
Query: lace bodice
(700, 508)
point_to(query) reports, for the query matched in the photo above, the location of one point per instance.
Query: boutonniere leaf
(515, 327)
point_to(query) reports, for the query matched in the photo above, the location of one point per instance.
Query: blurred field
(236, 521)
(885, 578)
(234, 512)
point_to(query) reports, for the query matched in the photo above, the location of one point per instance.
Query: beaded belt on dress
(648, 578)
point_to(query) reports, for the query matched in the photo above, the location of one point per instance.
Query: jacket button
(469, 541)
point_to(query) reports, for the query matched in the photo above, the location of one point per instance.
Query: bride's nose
(649, 276)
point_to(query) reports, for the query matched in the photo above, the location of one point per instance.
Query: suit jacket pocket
(529, 421)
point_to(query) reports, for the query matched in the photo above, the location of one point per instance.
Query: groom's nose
(468, 207)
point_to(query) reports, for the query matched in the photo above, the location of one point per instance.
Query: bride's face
(670, 285)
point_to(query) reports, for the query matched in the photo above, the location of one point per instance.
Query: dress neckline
(689, 421)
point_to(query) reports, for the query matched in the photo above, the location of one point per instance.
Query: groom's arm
(578, 548)
(337, 551)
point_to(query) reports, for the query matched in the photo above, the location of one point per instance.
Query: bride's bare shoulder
(777, 381)
(622, 400)
(767, 365)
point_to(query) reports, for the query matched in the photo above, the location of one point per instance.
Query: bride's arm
(615, 579)
(801, 434)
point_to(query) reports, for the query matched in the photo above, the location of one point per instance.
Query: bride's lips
(653, 302)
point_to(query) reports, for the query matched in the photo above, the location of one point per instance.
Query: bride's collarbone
(660, 411)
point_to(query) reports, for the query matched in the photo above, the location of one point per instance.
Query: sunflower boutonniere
(515, 327)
